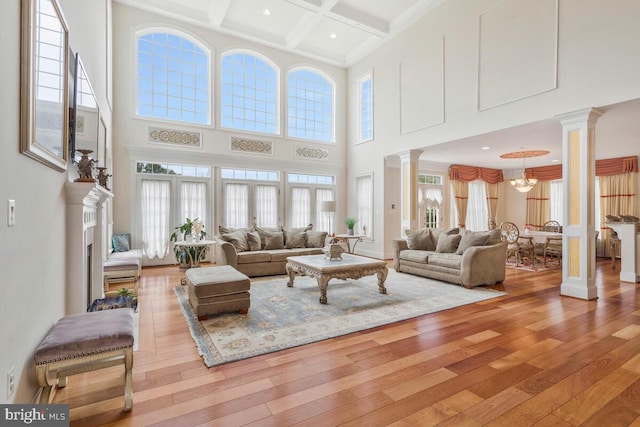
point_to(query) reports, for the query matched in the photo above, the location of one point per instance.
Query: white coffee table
(350, 267)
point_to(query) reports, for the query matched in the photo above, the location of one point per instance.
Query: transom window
(168, 169)
(250, 87)
(365, 110)
(249, 174)
(310, 103)
(173, 78)
(311, 179)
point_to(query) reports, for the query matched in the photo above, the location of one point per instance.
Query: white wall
(596, 66)
(131, 132)
(32, 253)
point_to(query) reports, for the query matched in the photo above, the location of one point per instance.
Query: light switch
(11, 213)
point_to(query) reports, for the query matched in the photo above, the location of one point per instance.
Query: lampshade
(328, 206)
(523, 184)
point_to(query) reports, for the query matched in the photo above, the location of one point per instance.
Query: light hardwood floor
(529, 358)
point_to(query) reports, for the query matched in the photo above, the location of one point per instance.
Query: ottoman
(217, 289)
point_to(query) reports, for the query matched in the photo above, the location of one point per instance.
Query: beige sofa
(258, 251)
(465, 258)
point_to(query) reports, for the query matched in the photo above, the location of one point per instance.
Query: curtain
(236, 205)
(266, 206)
(556, 200)
(429, 204)
(471, 173)
(617, 197)
(476, 207)
(537, 206)
(193, 201)
(323, 218)
(492, 204)
(364, 194)
(300, 207)
(460, 197)
(156, 206)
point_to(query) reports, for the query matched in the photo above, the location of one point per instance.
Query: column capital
(590, 115)
(410, 155)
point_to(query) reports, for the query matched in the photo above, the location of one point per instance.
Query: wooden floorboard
(529, 358)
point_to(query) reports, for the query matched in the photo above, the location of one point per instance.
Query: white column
(409, 163)
(629, 235)
(578, 225)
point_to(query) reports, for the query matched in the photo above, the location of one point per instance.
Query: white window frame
(369, 236)
(278, 102)
(252, 185)
(315, 214)
(360, 92)
(332, 124)
(210, 93)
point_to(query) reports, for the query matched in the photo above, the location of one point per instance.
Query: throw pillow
(262, 233)
(295, 239)
(419, 239)
(436, 232)
(448, 243)
(273, 240)
(121, 242)
(253, 240)
(472, 238)
(226, 230)
(316, 239)
(495, 236)
(238, 239)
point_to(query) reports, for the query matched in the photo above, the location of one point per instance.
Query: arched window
(249, 94)
(173, 77)
(310, 100)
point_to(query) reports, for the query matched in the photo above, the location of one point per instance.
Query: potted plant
(351, 222)
(186, 231)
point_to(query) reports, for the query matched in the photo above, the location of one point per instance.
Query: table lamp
(329, 206)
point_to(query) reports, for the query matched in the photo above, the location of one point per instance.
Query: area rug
(281, 317)
(537, 266)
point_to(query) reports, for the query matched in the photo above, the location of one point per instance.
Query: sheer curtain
(193, 201)
(477, 217)
(556, 200)
(364, 195)
(266, 206)
(300, 207)
(322, 218)
(156, 205)
(236, 205)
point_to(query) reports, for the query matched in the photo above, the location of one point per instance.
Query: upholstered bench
(121, 266)
(217, 289)
(86, 342)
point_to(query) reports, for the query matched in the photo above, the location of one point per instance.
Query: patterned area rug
(281, 317)
(537, 266)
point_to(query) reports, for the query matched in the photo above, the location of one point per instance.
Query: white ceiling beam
(359, 20)
(218, 11)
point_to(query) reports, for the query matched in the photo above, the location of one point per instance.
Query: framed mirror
(86, 117)
(44, 89)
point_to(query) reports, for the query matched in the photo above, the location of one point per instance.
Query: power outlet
(11, 382)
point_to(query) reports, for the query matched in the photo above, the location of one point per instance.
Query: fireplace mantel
(85, 227)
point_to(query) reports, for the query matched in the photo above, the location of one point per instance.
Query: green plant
(351, 222)
(183, 254)
(186, 228)
(125, 292)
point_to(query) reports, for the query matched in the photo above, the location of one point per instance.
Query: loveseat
(261, 251)
(465, 257)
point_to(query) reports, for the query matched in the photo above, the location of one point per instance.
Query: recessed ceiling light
(266, 12)
(486, 148)
(332, 36)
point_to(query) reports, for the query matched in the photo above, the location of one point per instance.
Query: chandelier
(524, 184)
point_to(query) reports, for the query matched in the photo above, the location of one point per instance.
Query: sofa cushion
(448, 243)
(436, 232)
(238, 239)
(420, 239)
(253, 256)
(295, 239)
(254, 241)
(282, 254)
(448, 260)
(472, 238)
(415, 255)
(262, 230)
(316, 239)
(309, 251)
(273, 240)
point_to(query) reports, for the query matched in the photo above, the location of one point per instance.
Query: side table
(347, 238)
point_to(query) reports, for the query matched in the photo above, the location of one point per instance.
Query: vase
(350, 231)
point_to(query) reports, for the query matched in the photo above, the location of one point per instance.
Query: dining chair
(614, 245)
(517, 245)
(552, 247)
(553, 226)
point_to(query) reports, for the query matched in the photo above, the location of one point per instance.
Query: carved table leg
(291, 274)
(323, 283)
(382, 276)
(128, 389)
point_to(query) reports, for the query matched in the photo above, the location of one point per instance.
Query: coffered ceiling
(338, 32)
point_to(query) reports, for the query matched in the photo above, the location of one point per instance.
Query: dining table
(540, 236)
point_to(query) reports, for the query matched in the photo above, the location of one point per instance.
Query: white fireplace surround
(86, 223)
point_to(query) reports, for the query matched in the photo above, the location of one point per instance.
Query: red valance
(604, 167)
(471, 173)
